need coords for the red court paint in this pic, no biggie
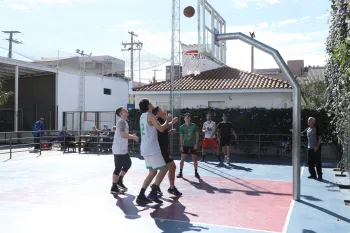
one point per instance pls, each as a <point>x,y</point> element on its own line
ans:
<point>253,204</point>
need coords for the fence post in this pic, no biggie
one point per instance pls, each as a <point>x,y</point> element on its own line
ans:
<point>98,145</point>
<point>259,148</point>
<point>64,143</point>
<point>10,146</point>
<point>40,142</point>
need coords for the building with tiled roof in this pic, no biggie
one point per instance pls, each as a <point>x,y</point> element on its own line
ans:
<point>224,87</point>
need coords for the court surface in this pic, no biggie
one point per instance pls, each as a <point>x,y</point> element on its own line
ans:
<point>70,193</point>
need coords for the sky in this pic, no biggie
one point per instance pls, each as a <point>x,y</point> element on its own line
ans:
<point>296,28</point>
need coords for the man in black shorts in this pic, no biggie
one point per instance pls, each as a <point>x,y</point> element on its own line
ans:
<point>189,138</point>
<point>225,131</point>
<point>122,161</point>
<point>163,140</point>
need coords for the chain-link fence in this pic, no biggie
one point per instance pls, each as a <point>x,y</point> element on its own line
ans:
<point>249,146</point>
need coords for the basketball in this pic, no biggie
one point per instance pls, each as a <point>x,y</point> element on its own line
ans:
<point>189,11</point>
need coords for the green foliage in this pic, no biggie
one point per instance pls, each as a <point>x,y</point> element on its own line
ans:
<point>338,68</point>
<point>252,120</point>
<point>315,94</point>
<point>4,96</point>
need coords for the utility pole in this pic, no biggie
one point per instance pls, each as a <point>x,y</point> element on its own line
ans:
<point>132,49</point>
<point>252,35</point>
<point>11,40</point>
<point>155,75</point>
<point>81,93</point>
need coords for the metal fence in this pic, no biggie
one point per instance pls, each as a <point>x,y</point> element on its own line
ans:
<point>258,146</point>
<point>84,121</point>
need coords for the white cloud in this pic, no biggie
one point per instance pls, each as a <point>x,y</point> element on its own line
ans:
<point>259,3</point>
<point>290,21</point>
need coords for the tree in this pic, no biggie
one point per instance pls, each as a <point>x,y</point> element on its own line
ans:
<point>4,95</point>
<point>338,70</point>
<point>315,94</point>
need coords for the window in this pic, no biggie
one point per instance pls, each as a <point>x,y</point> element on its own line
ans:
<point>107,91</point>
<point>216,104</point>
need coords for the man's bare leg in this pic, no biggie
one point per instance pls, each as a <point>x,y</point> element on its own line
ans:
<point>161,174</point>
<point>195,165</point>
<point>182,162</point>
<point>171,174</point>
<point>142,199</point>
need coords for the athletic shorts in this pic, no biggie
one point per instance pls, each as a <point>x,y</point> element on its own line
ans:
<point>225,141</point>
<point>167,157</point>
<point>122,160</point>
<point>155,162</point>
<point>187,149</point>
<point>209,142</point>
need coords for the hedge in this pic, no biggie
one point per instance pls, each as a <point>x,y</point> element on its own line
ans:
<point>252,120</point>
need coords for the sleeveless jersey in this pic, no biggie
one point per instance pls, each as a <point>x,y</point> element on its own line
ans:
<point>209,127</point>
<point>149,137</point>
<point>120,145</point>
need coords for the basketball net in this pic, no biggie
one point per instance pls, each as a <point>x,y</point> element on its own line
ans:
<point>191,59</point>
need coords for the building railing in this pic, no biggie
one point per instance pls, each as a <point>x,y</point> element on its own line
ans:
<point>251,145</point>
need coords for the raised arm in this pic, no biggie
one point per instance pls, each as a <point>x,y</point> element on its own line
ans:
<point>153,120</point>
<point>121,127</point>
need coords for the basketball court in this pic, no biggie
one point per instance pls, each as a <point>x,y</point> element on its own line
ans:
<point>70,193</point>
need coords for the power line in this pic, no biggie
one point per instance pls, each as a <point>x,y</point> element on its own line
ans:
<point>132,49</point>
<point>11,40</point>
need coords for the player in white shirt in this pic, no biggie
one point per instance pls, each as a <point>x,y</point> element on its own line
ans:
<point>122,161</point>
<point>151,152</point>
<point>209,130</point>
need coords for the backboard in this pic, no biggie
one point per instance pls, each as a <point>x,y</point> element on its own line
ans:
<point>209,24</point>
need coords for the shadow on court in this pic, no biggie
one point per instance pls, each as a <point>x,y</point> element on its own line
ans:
<point>170,219</point>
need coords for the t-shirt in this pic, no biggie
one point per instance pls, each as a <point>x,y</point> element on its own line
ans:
<point>225,129</point>
<point>209,127</point>
<point>312,136</point>
<point>189,134</point>
<point>149,137</point>
<point>163,137</point>
<point>120,145</point>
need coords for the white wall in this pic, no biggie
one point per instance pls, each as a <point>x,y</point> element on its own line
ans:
<point>237,100</point>
<point>95,99</point>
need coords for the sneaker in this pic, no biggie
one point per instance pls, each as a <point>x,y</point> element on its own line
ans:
<point>116,190</point>
<point>219,158</point>
<point>142,199</point>
<point>311,177</point>
<point>154,197</point>
<point>159,192</point>
<point>122,186</point>
<point>197,175</point>
<point>179,175</point>
<point>174,191</point>
<point>320,178</point>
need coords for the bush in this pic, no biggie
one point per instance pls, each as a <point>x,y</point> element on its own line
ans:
<point>253,120</point>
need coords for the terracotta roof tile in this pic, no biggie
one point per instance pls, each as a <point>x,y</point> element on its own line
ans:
<point>223,78</point>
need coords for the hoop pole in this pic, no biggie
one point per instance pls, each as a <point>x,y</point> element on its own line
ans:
<point>296,100</point>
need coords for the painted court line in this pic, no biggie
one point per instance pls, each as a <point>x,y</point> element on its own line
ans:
<point>207,224</point>
<point>291,207</point>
